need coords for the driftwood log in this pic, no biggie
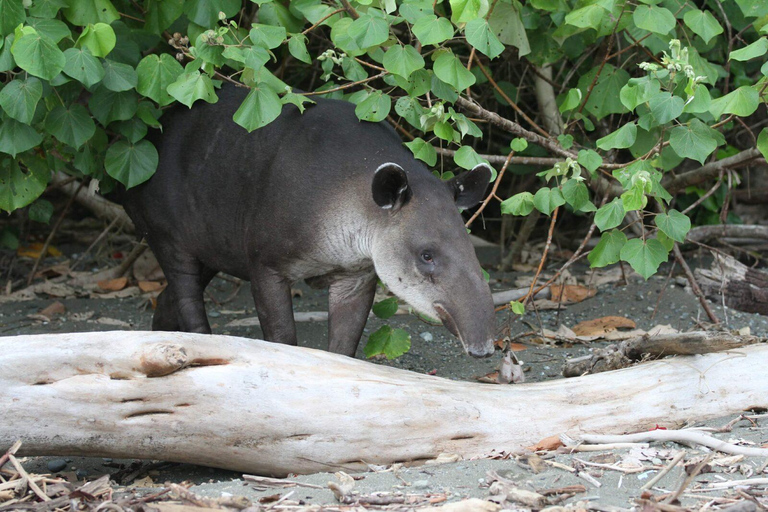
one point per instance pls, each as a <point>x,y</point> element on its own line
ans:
<point>628,352</point>
<point>271,409</point>
<point>736,284</point>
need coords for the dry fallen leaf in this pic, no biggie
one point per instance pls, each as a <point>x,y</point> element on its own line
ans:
<point>603,325</point>
<point>33,250</point>
<point>113,285</point>
<point>547,444</point>
<point>571,293</point>
<point>57,308</point>
<point>149,286</point>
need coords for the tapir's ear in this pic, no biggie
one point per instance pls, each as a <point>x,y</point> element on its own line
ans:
<point>469,188</point>
<point>390,187</point>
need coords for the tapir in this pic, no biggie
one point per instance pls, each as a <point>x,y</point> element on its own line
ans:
<point>318,196</point>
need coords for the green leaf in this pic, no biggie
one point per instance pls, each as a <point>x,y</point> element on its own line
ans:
<point>403,60</point>
<point>387,341</point>
<point>432,30</point>
<point>423,151</point>
<point>41,211</point>
<point>482,38</point>
<point>72,125</point>
<point>608,250</point>
<point>38,55</point>
<point>634,198</point>
<point>590,16</point>
<point>190,87</point>
<point>298,100</point>
<point>703,24</point>
<point>84,12</point>
<point>297,45</point>
<point>674,224</point>
<point>517,145</point>
<point>267,36</point>
<point>517,307</point>
<point>571,100</point>
<point>99,38</point>
<point>665,107</point>
<point>463,11</point>
<point>576,194</point>
<point>565,140</point>
<point>414,11</point>
<point>547,199</point>
<point>466,158</point>
<point>519,204</point>
<point>131,164</point>
<point>445,131</point>
<point>654,19</point>
<point>260,107</point>
<point>119,77</point>
<point>624,137</point>
<point>46,8</point>
<point>610,215</point>
<point>591,160</point>
<point>507,24</point>
<point>741,102</point>
<point>206,13</point>
<point>450,70</point>
<point>19,98</point>
<point>155,74</point>
<point>353,70</point>
<point>134,129</point>
<point>762,142</point>
<point>55,29</point>
<point>385,308</point>
<point>19,188</point>
<point>368,31</point>
<point>693,140</point>
<point>753,8</point>
<point>16,137</point>
<point>107,106</point>
<point>11,16</point>
<point>374,107</point>
<point>757,49</point>
<point>161,14</point>
<point>83,67</point>
<point>644,256</point>
<point>148,113</point>
<point>606,93</point>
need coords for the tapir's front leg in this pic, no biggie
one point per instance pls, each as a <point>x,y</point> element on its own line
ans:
<point>349,301</point>
<point>272,295</point>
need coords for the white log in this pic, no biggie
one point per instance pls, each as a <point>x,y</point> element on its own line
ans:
<point>271,409</point>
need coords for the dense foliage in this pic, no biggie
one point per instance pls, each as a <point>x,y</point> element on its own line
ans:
<point>639,91</point>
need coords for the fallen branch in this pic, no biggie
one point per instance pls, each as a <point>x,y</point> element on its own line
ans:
<point>737,285</point>
<point>706,234</point>
<point>614,357</point>
<point>272,409</point>
<point>708,171</point>
<point>101,207</point>
<point>688,437</point>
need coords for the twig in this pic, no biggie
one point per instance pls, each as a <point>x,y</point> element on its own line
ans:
<point>708,171</point>
<point>337,11</point>
<point>95,242</point>
<point>677,458</point>
<point>672,497</point>
<point>694,285</point>
<point>55,228</point>
<point>543,256</point>
<point>11,451</point>
<point>501,159</point>
<point>345,86</point>
<point>611,467</point>
<point>279,482</point>
<point>678,436</point>
<point>32,485</point>
<point>739,483</point>
<point>493,191</point>
<point>350,10</point>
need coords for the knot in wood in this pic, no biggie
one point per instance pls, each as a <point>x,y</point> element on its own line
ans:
<point>163,359</point>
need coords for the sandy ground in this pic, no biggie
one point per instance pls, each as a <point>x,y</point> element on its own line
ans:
<point>434,350</point>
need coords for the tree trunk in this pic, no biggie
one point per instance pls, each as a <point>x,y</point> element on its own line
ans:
<point>736,284</point>
<point>264,408</point>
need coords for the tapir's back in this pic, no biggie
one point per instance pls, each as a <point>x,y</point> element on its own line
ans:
<point>219,187</point>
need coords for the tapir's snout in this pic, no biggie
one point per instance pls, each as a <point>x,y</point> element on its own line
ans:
<point>475,333</point>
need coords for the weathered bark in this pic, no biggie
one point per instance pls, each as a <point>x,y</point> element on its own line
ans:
<point>741,287</point>
<point>101,207</point>
<point>706,234</point>
<point>635,349</point>
<point>272,409</point>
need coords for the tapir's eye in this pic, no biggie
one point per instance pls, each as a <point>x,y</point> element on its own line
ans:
<point>426,257</point>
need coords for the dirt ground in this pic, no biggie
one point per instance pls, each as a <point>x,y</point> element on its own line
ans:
<point>611,480</point>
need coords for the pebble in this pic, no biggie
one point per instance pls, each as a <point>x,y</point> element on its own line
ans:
<point>56,465</point>
<point>426,336</point>
<point>81,473</point>
<point>214,314</point>
<point>420,484</point>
